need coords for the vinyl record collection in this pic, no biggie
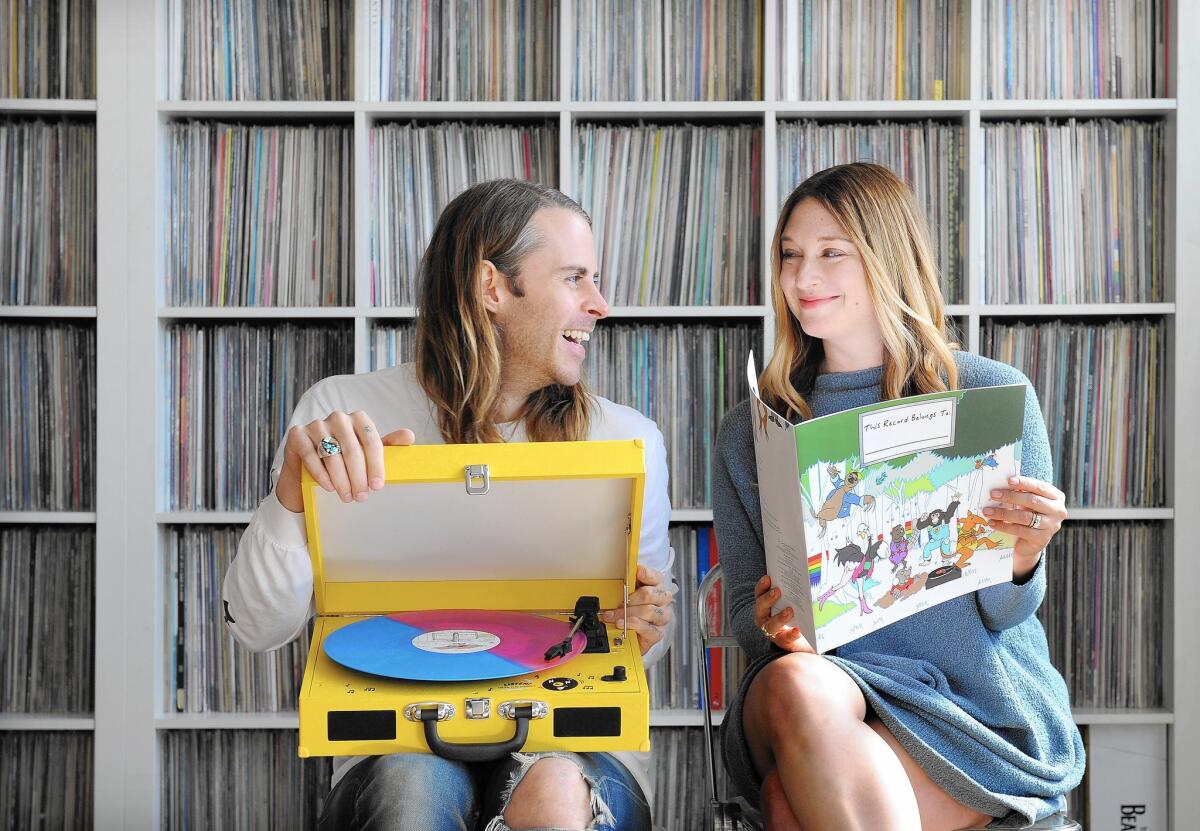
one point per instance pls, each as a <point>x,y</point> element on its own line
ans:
<point>49,49</point>
<point>681,782</point>
<point>1101,387</point>
<point>447,50</point>
<point>240,780</point>
<point>681,376</point>
<point>206,669</point>
<point>47,582</point>
<point>47,417</point>
<point>675,680</point>
<point>676,211</point>
<point>393,344</point>
<point>259,215</point>
<point>930,156</point>
<point>831,50</point>
<point>254,50</point>
<point>1104,610</point>
<point>708,50</point>
<point>46,780</point>
<point>416,169</point>
<point>1074,211</point>
<point>1112,49</point>
<point>262,214</point>
<point>47,211</point>
<point>231,388</point>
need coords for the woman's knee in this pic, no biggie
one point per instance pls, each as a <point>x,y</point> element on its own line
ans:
<point>803,689</point>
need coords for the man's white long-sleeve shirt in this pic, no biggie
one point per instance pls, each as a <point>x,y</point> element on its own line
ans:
<point>268,591</point>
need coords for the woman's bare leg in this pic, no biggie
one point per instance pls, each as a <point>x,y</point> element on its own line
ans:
<point>938,809</point>
<point>776,810</point>
<point>805,716</point>
<point>806,719</point>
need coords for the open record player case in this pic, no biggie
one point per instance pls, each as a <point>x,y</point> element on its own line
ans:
<point>533,527</point>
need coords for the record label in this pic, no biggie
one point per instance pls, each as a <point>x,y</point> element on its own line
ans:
<point>451,644</point>
<point>456,641</point>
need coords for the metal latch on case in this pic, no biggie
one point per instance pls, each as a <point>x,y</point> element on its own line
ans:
<point>479,481</point>
<point>478,708</point>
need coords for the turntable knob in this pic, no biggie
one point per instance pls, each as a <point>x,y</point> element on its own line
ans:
<point>618,674</point>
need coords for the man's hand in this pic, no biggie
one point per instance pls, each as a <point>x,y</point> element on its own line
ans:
<point>353,472</point>
<point>649,608</point>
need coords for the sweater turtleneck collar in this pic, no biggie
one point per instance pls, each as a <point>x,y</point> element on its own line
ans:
<point>859,379</point>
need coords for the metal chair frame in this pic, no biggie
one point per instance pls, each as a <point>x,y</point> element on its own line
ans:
<point>724,816</point>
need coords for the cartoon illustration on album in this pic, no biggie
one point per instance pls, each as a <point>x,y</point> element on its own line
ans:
<point>873,514</point>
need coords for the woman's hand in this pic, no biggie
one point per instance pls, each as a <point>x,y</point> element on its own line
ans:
<point>649,608</point>
<point>353,472</point>
<point>1033,512</point>
<point>776,628</point>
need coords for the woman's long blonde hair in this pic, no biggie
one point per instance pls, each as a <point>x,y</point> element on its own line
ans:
<point>879,215</point>
<point>458,344</point>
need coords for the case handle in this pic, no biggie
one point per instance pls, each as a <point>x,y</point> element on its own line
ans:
<point>486,752</point>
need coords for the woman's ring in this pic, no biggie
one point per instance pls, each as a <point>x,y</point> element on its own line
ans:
<point>770,637</point>
<point>328,446</point>
<point>1036,522</point>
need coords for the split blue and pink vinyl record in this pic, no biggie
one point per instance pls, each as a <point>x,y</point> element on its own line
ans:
<point>451,644</point>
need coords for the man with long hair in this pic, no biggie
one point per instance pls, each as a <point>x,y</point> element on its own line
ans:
<point>508,300</point>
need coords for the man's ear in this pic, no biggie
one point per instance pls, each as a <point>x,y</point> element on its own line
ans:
<point>491,285</point>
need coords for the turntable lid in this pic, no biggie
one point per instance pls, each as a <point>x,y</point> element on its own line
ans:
<point>551,526</point>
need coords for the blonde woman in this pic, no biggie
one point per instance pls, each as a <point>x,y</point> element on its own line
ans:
<point>948,718</point>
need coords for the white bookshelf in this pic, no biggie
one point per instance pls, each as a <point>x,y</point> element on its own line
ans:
<point>50,312</point>
<point>47,517</point>
<point>47,106</point>
<point>131,113</point>
<point>17,721</point>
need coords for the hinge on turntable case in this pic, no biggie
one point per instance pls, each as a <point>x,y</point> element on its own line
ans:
<point>628,524</point>
<point>444,710</point>
<point>479,481</point>
<point>508,709</point>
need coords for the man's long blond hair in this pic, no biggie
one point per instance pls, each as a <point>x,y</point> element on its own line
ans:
<point>458,344</point>
<point>879,215</point>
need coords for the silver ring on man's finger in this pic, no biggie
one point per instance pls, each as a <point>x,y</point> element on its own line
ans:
<point>328,446</point>
<point>1036,521</point>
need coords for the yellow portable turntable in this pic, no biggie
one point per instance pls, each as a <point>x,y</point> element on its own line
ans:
<point>547,528</point>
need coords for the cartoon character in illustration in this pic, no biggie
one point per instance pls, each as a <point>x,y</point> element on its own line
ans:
<point>982,466</point>
<point>973,533</point>
<point>904,584</point>
<point>863,568</point>
<point>939,524</point>
<point>898,547</point>
<point>842,498</point>
<point>990,461</point>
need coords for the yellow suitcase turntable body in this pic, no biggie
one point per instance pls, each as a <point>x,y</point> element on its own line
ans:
<point>546,528</point>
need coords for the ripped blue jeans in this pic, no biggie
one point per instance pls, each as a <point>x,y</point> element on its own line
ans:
<point>424,792</point>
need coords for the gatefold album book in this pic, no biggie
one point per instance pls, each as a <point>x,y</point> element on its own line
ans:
<point>873,514</point>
